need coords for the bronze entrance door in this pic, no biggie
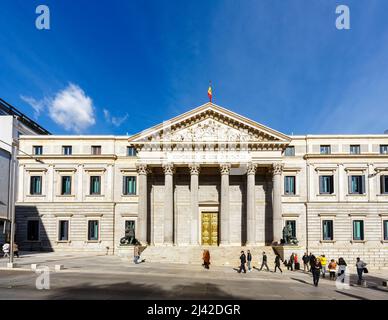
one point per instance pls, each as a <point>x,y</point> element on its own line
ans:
<point>209,230</point>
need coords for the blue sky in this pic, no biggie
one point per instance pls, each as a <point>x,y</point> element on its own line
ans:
<point>117,67</point>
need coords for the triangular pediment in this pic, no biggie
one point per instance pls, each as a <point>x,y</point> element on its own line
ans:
<point>210,123</point>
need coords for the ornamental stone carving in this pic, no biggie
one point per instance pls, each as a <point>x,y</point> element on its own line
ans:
<point>251,169</point>
<point>168,168</point>
<point>277,168</point>
<point>142,168</point>
<point>194,168</point>
<point>225,168</point>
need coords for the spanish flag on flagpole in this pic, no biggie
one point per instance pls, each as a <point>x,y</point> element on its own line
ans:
<point>209,92</point>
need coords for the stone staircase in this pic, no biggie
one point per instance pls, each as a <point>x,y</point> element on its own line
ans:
<point>219,256</point>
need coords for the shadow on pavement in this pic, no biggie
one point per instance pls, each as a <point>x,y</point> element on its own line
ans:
<point>135,291</point>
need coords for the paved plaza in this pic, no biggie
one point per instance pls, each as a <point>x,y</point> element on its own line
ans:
<point>112,277</point>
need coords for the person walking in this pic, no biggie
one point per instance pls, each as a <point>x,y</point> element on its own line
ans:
<point>264,262</point>
<point>316,270</point>
<point>6,250</point>
<point>206,259</point>
<point>305,260</point>
<point>323,261</point>
<point>332,269</point>
<point>360,270</point>
<point>243,260</point>
<point>136,254</point>
<point>16,249</point>
<point>249,260</point>
<point>341,268</point>
<point>312,261</point>
<point>277,263</point>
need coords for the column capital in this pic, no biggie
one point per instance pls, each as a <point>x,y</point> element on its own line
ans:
<point>142,168</point>
<point>251,168</point>
<point>225,168</point>
<point>194,168</point>
<point>277,168</point>
<point>168,168</point>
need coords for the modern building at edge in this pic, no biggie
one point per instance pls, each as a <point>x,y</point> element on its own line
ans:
<point>13,124</point>
<point>208,177</point>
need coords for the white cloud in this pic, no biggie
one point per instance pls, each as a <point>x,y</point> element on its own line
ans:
<point>71,108</point>
<point>37,105</point>
<point>116,121</point>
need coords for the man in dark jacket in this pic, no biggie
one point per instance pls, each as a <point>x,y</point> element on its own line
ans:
<point>243,260</point>
<point>305,260</point>
<point>264,263</point>
<point>313,259</point>
<point>292,261</point>
<point>277,263</point>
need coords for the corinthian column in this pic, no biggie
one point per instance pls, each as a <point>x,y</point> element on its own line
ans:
<point>224,215</point>
<point>194,177</point>
<point>142,207</point>
<point>168,204</point>
<point>251,221</point>
<point>277,202</point>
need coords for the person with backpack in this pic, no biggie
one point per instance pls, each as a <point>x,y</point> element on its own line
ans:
<point>360,265</point>
<point>332,269</point>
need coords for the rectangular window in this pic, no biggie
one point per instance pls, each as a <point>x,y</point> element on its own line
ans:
<point>63,230</point>
<point>290,151</point>
<point>327,230</point>
<point>385,227</point>
<point>38,150</point>
<point>355,149</point>
<point>292,223</point>
<point>289,185</point>
<point>33,230</point>
<point>66,185</point>
<point>129,185</point>
<point>356,184</point>
<point>384,148</point>
<point>130,224</point>
<point>384,184</point>
<point>93,230</point>
<point>36,185</point>
<point>358,230</point>
<point>95,185</point>
<point>96,150</point>
<point>325,149</point>
<point>326,184</point>
<point>131,152</point>
<point>67,150</point>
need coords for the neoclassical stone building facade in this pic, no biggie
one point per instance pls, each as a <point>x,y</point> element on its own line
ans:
<point>208,177</point>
